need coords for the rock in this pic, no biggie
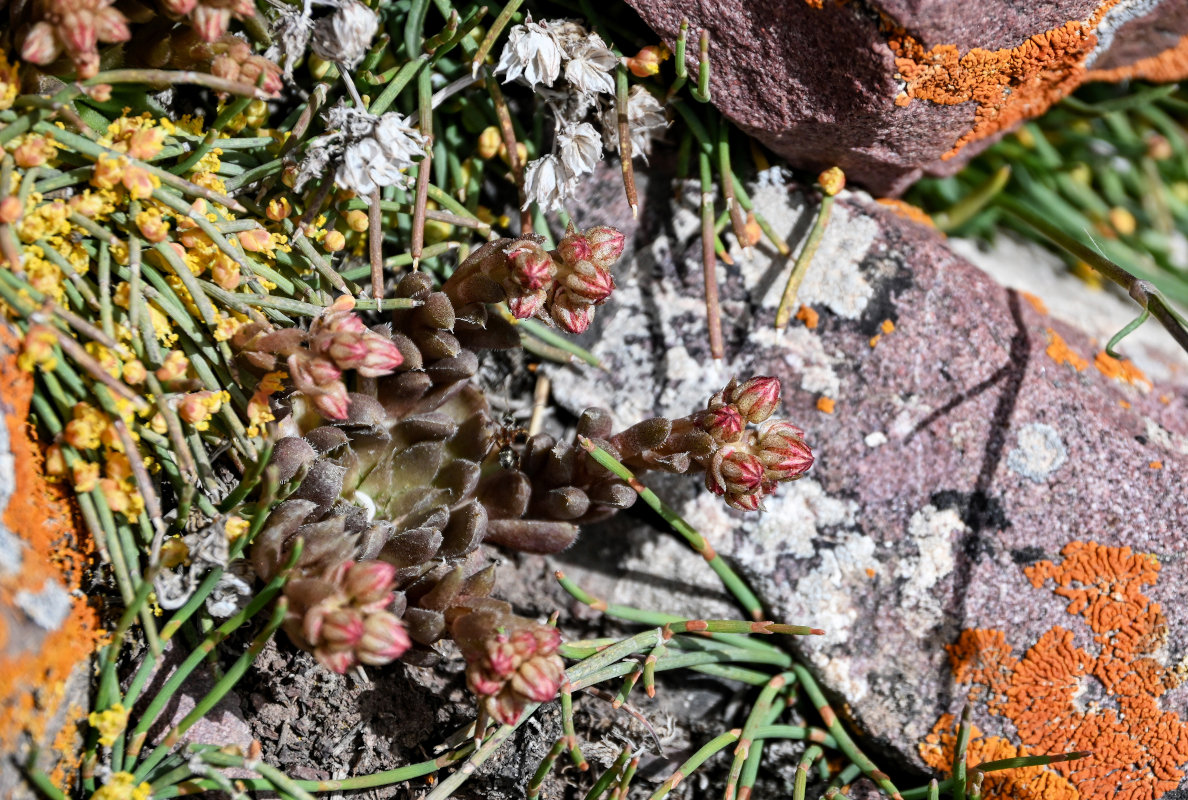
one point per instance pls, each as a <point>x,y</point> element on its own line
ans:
<point>892,89</point>
<point>989,489</point>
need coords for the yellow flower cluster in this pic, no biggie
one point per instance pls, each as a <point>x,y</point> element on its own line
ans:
<point>10,82</point>
<point>123,786</point>
<point>109,723</point>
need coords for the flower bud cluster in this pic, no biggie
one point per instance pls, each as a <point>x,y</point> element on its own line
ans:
<point>511,661</point>
<point>74,27</point>
<point>746,465</point>
<point>337,341</point>
<point>343,617</point>
<point>566,284</point>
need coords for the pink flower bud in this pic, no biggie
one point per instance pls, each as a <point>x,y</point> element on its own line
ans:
<point>481,681</point>
<point>539,678</point>
<point>740,472</point>
<point>574,247</point>
<point>179,7</point>
<point>368,582</point>
<point>210,23</point>
<point>747,501</point>
<point>41,46</point>
<point>335,660</point>
<point>501,659</point>
<point>506,707</point>
<point>532,268</point>
<point>78,33</point>
<point>606,245</point>
<point>525,306</point>
<point>111,26</point>
<point>590,283</point>
<point>380,356</point>
<point>384,639</point>
<point>309,373</point>
<point>341,628</point>
<point>757,398</point>
<point>332,402</point>
<point>573,316</point>
<point>724,423</point>
<point>783,451</point>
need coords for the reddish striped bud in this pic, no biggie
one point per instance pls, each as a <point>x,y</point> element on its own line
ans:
<point>384,639</point>
<point>606,245</point>
<point>590,283</point>
<point>532,268</point>
<point>724,423</point>
<point>525,306</point>
<point>757,398</point>
<point>539,678</point>
<point>370,582</point>
<point>341,628</point>
<point>739,471</point>
<point>570,314</point>
<point>574,247</point>
<point>783,451</point>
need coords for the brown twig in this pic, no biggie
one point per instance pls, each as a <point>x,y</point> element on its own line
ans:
<point>375,245</point>
<point>625,154</point>
<point>513,157</point>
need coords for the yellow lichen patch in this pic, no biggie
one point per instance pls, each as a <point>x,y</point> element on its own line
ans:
<point>1008,85</point>
<point>1121,370</point>
<point>34,667</point>
<point>1140,750</point>
<point>1061,353</point>
<point>1170,65</point>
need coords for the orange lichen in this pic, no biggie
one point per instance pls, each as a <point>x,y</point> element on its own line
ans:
<point>1123,404</point>
<point>1036,302</point>
<point>887,326</point>
<point>1008,85</point>
<point>1170,65</point>
<point>904,208</point>
<point>1061,353</point>
<point>1140,750</point>
<point>874,340</point>
<point>825,404</point>
<point>33,667</point>
<point>808,316</point>
<point>1120,370</point>
<point>1156,465</point>
<point>870,572</point>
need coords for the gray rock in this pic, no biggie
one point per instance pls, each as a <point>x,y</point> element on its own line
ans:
<point>964,446</point>
<point>819,83</point>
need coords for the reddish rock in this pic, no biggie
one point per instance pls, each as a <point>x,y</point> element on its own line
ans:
<point>989,490</point>
<point>894,89</point>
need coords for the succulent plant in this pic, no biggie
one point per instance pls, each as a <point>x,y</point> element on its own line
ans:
<point>410,474</point>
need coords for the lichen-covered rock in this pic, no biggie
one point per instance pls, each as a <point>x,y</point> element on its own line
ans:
<point>991,489</point>
<point>891,89</point>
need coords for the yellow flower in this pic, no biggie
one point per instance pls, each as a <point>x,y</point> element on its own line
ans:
<point>108,360</point>
<point>123,786</point>
<point>175,366</point>
<point>84,430</point>
<point>84,475</point>
<point>122,497</point>
<point>55,462</point>
<point>108,172</point>
<point>197,408</point>
<point>134,372</point>
<point>273,382</point>
<point>117,467</point>
<point>152,225</point>
<point>235,527</point>
<point>38,350</point>
<point>109,724</point>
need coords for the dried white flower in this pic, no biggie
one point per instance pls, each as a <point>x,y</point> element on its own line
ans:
<point>399,141</point>
<point>349,121</point>
<point>532,50</point>
<point>590,65</point>
<point>365,167</point>
<point>345,35</point>
<point>580,148</point>
<point>548,183</point>
<point>645,120</point>
<point>230,594</point>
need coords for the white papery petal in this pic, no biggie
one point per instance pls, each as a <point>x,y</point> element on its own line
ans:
<point>580,148</point>
<point>532,50</point>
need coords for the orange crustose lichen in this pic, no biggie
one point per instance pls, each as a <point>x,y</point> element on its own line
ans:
<point>1170,65</point>
<point>1121,369</point>
<point>907,210</point>
<point>33,669</point>
<point>1059,351</point>
<point>808,316</point>
<point>1011,84</point>
<point>1140,750</point>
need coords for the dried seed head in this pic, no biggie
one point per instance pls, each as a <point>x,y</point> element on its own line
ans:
<point>345,35</point>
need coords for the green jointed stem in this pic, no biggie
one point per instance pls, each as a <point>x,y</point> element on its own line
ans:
<point>571,740</point>
<point>755,719</point>
<point>546,766</point>
<point>839,733</point>
<point>608,777</point>
<point>729,577</point>
<point>450,784</point>
<point>218,692</point>
<point>973,203</point>
<point>803,260</point>
<point>959,765</point>
<point>810,755</point>
<point>696,760</point>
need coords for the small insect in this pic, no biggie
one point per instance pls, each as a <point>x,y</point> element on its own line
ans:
<point>508,435</point>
